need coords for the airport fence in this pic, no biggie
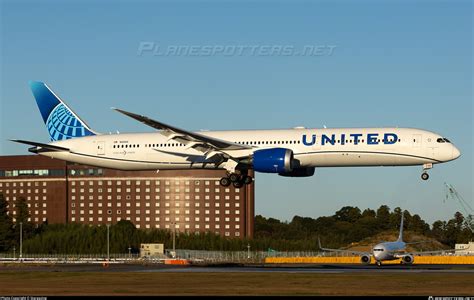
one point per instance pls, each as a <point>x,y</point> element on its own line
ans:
<point>68,258</point>
<point>243,256</point>
<point>195,256</point>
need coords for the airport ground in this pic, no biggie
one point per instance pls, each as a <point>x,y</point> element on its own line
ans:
<point>70,279</point>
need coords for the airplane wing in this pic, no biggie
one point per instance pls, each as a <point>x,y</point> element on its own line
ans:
<point>195,140</point>
<point>432,252</point>
<point>402,254</point>
<point>342,250</point>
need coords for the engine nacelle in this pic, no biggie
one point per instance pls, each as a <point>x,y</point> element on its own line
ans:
<point>408,259</point>
<point>300,172</point>
<point>365,259</point>
<point>274,160</point>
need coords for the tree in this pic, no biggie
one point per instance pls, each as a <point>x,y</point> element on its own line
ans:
<point>6,226</point>
<point>348,214</point>
<point>383,217</point>
<point>23,216</point>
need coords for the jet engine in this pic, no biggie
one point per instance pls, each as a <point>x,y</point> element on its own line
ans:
<point>365,259</point>
<point>299,172</point>
<point>408,259</point>
<point>274,160</point>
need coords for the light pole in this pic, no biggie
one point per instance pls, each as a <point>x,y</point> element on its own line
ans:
<point>174,239</point>
<point>248,250</point>
<point>130,252</point>
<point>14,252</point>
<point>108,240</point>
<point>21,240</point>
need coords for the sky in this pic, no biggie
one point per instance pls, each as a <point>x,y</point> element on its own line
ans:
<point>218,65</point>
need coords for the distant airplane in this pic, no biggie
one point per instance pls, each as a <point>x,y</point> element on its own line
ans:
<point>387,251</point>
<point>288,152</point>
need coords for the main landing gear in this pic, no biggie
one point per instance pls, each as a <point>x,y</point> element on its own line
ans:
<point>237,180</point>
<point>425,175</point>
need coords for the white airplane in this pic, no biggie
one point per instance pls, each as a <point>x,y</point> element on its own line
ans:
<point>387,251</point>
<point>288,152</point>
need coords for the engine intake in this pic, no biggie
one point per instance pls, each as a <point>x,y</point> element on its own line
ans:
<point>365,259</point>
<point>408,259</point>
<point>274,160</point>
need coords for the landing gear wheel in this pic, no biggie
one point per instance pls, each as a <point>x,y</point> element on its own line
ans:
<point>225,181</point>
<point>238,184</point>
<point>425,176</point>
<point>247,179</point>
<point>234,177</point>
<point>379,263</point>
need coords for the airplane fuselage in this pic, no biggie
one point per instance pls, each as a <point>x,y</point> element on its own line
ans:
<point>328,147</point>
<point>388,250</point>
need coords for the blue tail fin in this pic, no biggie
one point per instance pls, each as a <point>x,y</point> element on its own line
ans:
<point>400,235</point>
<point>62,123</point>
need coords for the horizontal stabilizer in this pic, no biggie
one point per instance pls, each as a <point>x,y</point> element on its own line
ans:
<point>39,147</point>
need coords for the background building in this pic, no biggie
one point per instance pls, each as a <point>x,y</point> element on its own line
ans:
<point>190,200</point>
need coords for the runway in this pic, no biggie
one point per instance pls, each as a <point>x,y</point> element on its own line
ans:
<point>155,279</point>
<point>158,268</point>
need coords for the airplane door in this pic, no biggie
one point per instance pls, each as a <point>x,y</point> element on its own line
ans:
<point>100,148</point>
<point>417,140</point>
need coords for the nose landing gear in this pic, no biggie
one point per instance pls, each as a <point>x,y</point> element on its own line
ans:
<point>425,175</point>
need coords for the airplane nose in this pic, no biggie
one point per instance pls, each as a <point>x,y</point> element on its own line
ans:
<point>456,152</point>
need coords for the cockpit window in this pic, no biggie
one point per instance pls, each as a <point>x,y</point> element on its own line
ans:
<point>440,140</point>
<point>446,140</point>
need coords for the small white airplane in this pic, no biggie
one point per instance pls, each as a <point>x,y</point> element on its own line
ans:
<point>387,251</point>
<point>288,152</point>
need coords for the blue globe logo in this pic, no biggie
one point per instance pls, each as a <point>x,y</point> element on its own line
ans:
<point>63,125</point>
